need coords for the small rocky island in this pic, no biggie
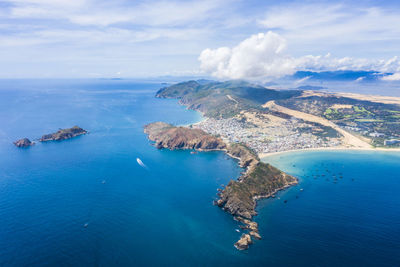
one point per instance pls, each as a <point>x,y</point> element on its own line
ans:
<point>63,134</point>
<point>260,180</point>
<point>24,142</point>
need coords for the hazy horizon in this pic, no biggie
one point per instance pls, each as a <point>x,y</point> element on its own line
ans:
<point>255,40</point>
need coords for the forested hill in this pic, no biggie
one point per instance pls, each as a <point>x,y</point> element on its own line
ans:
<point>223,99</point>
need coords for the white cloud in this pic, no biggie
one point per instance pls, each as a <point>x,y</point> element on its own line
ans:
<point>168,34</point>
<point>393,77</point>
<point>262,56</point>
<point>299,17</point>
<point>355,29</point>
<point>104,13</point>
<point>336,22</point>
<point>329,63</point>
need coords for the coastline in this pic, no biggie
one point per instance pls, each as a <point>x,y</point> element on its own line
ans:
<point>201,119</point>
<point>239,197</point>
<point>339,148</point>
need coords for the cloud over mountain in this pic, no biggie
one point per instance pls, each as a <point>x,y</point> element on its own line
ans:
<point>258,56</point>
<point>262,56</point>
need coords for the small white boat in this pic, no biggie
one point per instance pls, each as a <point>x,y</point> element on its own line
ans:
<point>140,162</point>
<point>237,230</point>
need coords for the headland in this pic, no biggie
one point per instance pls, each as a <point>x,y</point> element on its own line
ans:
<point>260,180</point>
<point>250,122</point>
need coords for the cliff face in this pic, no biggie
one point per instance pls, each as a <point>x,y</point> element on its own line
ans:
<point>168,136</point>
<point>63,134</point>
<point>238,197</point>
<point>24,142</point>
<point>247,158</point>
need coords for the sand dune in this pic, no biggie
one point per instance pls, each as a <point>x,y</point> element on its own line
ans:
<point>349,140</point>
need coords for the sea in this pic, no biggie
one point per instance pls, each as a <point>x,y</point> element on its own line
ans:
<point>88,202</point>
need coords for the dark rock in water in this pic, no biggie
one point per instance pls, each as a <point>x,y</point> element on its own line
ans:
<point>244,242</point>
<point>63,134</point>
<point>255,235</point>
<point>24,142</point>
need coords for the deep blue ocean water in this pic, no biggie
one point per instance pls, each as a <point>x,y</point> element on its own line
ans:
<point>163,214</point>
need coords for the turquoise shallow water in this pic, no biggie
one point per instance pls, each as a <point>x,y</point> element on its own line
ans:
<point>163,214</point>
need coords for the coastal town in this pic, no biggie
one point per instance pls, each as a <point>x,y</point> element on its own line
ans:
<point>266,133</point>
<point>269,121</point>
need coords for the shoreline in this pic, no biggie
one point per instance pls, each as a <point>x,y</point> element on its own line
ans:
<point>343,148</point>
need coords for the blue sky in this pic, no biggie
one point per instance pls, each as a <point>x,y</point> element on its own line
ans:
<point>226,39</point>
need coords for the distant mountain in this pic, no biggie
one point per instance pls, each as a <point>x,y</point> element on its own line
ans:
<point>345,75</point>
<point>310,87</point>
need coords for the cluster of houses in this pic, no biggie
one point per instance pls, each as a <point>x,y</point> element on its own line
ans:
<point>268,138</point>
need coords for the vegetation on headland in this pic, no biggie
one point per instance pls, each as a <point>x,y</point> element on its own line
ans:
<point>377,122</point>
<point>249,105</point>
<point>222,99</point>
<point>168,136</point>
<point>238,197</point>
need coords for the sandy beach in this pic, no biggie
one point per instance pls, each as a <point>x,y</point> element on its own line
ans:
<point>339,148</point>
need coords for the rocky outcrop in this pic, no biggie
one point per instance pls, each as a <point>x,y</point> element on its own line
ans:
<point>24,142</point>
<point>168,136</point>
<point>63,134</point>
<point>247,158</point>
<point>239,197</point>
<point>255,235</point>
<point>260,180</point>
<point>244,242</point>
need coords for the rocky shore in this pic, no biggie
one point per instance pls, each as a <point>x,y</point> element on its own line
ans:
<point>24,142</point>
<point>168,136</point>
<point>260,180</point>
<point>63,134</point>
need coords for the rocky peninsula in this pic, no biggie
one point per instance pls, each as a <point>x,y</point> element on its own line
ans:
<point>260,180</point>
<point>168,136</point>
<point>24,142</point>
<point>63,134</point>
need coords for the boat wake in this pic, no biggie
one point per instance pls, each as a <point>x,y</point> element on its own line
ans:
<point>140,162</point>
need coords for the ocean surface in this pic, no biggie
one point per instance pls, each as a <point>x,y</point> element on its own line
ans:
<point>162,214</point>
